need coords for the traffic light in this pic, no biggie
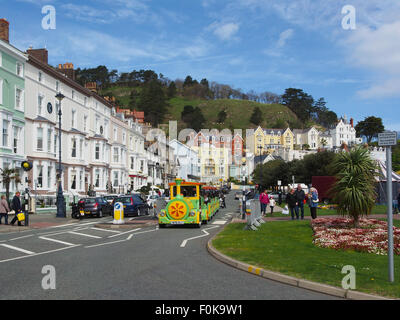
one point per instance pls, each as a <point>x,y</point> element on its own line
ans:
<point>26,166</point>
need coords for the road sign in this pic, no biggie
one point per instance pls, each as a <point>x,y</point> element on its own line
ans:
<point>387,139</point>
<point>279,182</point>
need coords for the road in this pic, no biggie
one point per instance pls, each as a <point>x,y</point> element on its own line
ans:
<point>145,263</point>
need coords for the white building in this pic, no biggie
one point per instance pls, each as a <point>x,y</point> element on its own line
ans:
<point>310,137</point>
<point>344,132</point>
<point>187,161</point>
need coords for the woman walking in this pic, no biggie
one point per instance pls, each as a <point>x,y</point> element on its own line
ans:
<point>313,202</point>
<point>264,201</point>
<point>4,209</point>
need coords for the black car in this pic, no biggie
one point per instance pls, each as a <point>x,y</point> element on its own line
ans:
<point>94,207</point>
<point>134,205</point>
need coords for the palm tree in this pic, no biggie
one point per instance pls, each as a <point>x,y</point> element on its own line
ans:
<point>354,191</point>
<point>8,175</point>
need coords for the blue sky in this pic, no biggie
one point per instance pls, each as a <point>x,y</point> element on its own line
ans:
<point>264,45</point>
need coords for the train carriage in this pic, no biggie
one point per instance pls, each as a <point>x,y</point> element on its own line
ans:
<point>186,205</point>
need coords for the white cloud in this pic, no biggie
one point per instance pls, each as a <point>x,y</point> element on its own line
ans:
<point>276,50</point>
<point>225,31</point>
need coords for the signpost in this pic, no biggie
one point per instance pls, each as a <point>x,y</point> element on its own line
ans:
<point>388,139</point>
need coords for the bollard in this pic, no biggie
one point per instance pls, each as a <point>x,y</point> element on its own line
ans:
<point>118,213</point>
<point>257,209</point>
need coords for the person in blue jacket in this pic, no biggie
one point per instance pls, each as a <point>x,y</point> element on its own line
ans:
<point>313,202</point>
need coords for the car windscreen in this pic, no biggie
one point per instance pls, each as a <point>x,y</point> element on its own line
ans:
<point>125,200</point>
<point>89,201</point>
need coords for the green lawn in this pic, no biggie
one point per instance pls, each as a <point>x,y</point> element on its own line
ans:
<point>286,247</point>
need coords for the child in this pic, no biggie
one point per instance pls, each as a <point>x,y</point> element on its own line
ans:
<point>272,204</point>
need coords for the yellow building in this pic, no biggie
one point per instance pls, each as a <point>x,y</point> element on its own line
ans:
<point>213,162</point>
<point>264,141</point>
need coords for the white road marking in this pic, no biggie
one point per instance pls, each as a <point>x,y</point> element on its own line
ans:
<point>106,230</point>
<point>58,241</point>
<point>21,238</point>
<point>84,235</point>
<point>106,243</point>
<point>219,222</point>
<point>122,233</point>
<point>38,254</point>
<point>64,225</point>
<point>183,244</point>
<point>130,237</point>
<point>17,249</point>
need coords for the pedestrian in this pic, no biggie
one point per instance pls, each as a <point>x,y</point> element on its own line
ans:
<point>4,209</point>
<point>264,201</point>
<point>272,204</point>
<point>291,201</point>
<point>16,206</point>
<point>398,202</point>
<point>313,202</point>
<point>300,197</point>
<point>280,197</point>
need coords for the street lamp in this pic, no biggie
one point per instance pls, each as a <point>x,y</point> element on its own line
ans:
<point>244,190</point>
<point>60,197</point>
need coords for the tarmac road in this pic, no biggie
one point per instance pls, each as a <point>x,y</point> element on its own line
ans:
<point>144,263</point>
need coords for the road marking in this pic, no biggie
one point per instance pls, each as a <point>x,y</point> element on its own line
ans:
<point>183,244</point>
<point>17,249</point>
<point>39,254</point>
<point>130,237</point>
<point>21,237</point>
<point>106,230</point>
<point>58,241</point>
<point>219,222</point>
<point>63,225</point>
<point>84,235</point>
<point>106,243</point>
<point>122,233</point>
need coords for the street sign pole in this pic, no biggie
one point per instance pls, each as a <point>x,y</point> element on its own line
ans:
<point>390,212</point>
<point>388,139</point>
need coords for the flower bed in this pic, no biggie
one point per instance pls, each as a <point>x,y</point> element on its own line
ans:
<point>340,234</point>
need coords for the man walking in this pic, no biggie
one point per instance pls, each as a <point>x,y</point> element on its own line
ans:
<point>300,196</point>
<point>16,206</point>
<point>292,203</point>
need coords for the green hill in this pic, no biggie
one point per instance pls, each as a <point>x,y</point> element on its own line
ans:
<point>238,111</point>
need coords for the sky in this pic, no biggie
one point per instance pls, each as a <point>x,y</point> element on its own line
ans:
<point>349,56</point>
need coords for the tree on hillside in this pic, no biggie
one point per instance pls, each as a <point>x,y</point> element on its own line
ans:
<point>256,117</point>
<point>134,98</point>
<point>193,117</point>
<point>222,115</point>
<point>369,128</point>
<point>301,103</point>
<point>153,102</point>
<point>172,90</point>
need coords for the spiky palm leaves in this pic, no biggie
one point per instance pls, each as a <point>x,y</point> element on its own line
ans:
<point>354,191</point>
<point>8,175</point>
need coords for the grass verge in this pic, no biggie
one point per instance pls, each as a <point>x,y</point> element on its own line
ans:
<point>286,247</point>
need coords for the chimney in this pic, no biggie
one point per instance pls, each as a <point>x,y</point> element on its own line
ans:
<point>67,69</point>
<point>40,54</point>
<point>4,30</point>
<point>352,122</point>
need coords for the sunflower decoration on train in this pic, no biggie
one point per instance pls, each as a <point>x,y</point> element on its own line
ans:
<point>177,210</point>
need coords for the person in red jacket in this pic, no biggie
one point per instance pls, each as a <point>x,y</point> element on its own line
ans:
<point>264,201</point>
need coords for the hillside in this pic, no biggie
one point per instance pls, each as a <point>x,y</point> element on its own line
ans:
<point>238,111</point>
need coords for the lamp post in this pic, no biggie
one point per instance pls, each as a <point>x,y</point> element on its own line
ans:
<point>244,191</point>
<point>60,197</point>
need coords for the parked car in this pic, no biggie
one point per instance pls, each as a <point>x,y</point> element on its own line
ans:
<point>110,198</point>
<point>275,196</point>
<point>94,206</point>
<point>151,199</point>
<point>134,205</point>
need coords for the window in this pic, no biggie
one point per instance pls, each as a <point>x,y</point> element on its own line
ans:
<point>40,77</point>
<point>97,151</point>
<point>132,163</point>
<point>81,180</point>
<point>124,138</point>
<point>85,101</point>
<point>81,148</point>
<point>5,133</point>
<point>116,155</point>
<point>49,131</point>
<point>19,99</point>
<point>40,104</point>
<point>39,144</point>
<point>73,154</point>
<point>97,179</point>
<point>57,86</point>
<point>1,91</point>
<point>84,123</point>
<point>73,119</point>
<point>73,179</point>
<point>115,134</point>
<point>116,179</point>
<point>73,95</point>
<point>40,177</point>
<point>20,69</point>
<point>49,174</point>
<point>16,138</point>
